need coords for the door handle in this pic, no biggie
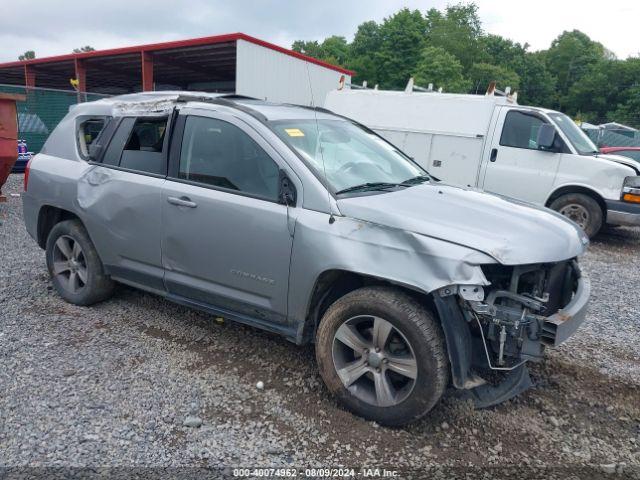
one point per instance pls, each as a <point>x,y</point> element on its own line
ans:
<point>182,202</point>
<point>494,155</point>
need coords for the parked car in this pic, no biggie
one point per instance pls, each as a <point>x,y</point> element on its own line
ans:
<point>630,152</point>
<point>490,142</point>
<point>309,225</point>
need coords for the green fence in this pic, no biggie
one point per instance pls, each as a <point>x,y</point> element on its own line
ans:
<point>43,108</point>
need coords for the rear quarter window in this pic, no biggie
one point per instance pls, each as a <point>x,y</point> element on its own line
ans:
<point>87,132</point>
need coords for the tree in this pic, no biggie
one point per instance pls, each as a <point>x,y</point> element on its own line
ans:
<point>449,49</point>
<point>439,67</point>
<point>457,30</point>
<point>501,51</point>
<point>402,38</point>
<point>28,55</point>
<point>606,83</point>
<point>482,74</point>
<point>537,85</point>
<point>311,48</point>
<point>86,48</point>
<point>570,57</point>
<point>366,43</point>
<point>334,50</point>
<point>628,112</point>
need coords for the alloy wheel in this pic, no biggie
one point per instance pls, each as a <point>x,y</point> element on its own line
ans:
<point>69,264</point>
<point>374,361</point>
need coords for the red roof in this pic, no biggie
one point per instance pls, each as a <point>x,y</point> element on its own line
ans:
<point>176,44</point>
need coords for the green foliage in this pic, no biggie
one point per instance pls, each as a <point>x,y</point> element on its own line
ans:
<point>457,30</point>
<point>366,42</point>
<point>28,55</point>
<point>450,49</point>
<point>482,74</point>
<point>537,84</point>
<point>86,48</point>
<point>570,57</point>
<point>402,37</point>
<point>629,111</point>
<point>442,69</point>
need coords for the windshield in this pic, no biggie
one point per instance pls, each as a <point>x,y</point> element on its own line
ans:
<point>579,140</point>
<point>352,156</point>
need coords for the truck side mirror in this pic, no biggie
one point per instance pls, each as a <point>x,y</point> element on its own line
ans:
<point>546,137</point>
<point>287,190</point>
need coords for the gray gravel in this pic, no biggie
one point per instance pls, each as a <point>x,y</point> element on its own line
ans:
<point>138,381</point>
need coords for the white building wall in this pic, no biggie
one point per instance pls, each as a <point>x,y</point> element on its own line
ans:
<point>271,75</point>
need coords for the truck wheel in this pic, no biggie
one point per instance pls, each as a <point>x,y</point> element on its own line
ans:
<point>581,209</point>
<point>382,354</point>
<point>75,268</point>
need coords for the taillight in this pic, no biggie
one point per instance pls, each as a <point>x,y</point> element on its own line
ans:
<point>26,173</point>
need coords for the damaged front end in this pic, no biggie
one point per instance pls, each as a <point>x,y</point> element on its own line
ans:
<point>493,331</point>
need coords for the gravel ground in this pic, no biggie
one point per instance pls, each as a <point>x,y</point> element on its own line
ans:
<point>138,381</point>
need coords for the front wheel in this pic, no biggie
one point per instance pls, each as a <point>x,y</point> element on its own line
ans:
<point>382,354</point>
<point>581,209</point>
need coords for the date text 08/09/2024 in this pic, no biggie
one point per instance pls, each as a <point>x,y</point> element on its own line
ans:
<point>316,472</point>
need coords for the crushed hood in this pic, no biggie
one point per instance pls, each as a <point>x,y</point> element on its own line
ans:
<point>510,231</point>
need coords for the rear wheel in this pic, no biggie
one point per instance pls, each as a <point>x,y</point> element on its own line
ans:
<point>382,354</point>
<point>581,209</point>
<point>75,268</point>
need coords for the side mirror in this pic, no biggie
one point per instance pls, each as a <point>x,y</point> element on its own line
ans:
<point>546,137</point>
<point>287,190</point>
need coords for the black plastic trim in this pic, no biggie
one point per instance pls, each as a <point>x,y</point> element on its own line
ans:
<point>625,207</point>
<point>458,338</point>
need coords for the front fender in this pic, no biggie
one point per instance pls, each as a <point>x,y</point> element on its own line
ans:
<point>404,258</point>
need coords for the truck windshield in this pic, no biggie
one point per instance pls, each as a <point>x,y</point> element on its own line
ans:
<point>579,140</point>
<point>353,157</point>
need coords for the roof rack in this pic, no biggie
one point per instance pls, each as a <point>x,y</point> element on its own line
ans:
<point>226,100</point>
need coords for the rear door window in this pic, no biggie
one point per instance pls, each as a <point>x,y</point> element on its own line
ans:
<point>139,144</point>
<point>144,148</point>
<point>114,149</point>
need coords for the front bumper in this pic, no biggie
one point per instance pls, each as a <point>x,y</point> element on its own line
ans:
<point>561,325</point>
<point>623,213</point>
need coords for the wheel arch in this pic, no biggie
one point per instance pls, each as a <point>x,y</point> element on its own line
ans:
<point>331,285</point>
<point>48,217</point>
<point>568,189</point>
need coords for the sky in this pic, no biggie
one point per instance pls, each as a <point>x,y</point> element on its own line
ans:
<point>51,27</point>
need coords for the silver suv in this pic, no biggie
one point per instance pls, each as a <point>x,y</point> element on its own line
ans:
<point>304,223</point>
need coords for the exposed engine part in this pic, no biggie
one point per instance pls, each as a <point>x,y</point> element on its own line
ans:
<point>471,293</point>
<point>511,320</point>
<point>503,338</point>
<point>486,351</point>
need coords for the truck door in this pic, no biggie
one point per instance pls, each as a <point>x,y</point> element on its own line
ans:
<point>516,167</point>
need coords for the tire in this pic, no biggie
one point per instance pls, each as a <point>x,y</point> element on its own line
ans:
<point>581,209</point>
<point>71,254</point>
<point>412,325</point>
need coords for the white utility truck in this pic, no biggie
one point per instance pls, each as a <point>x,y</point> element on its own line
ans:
<point>492,143</point>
